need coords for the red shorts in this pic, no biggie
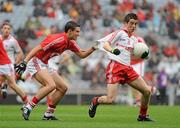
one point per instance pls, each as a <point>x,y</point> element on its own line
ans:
<point>119,73</point>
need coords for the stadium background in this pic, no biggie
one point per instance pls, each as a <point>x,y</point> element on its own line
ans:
<point>159,24</point>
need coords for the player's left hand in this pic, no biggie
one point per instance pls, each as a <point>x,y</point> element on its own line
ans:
<point>145,55</point>
<point>20,68</point>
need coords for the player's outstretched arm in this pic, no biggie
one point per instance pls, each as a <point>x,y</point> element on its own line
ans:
<point>32,53</point>
<point>85,53</point>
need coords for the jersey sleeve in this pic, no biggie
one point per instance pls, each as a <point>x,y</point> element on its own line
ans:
<point>111,38</point>
<point>73,46</point>
<point>16,46</point>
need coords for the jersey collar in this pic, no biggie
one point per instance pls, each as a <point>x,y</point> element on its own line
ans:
<point>124,29</point>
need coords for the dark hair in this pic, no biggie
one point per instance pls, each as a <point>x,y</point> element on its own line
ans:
<point>70,25</point>
<point>6,23</point>
<point>130,16</point>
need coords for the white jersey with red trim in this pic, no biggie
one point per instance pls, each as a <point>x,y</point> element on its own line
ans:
<point>121,40</point>
<point>12,47</point>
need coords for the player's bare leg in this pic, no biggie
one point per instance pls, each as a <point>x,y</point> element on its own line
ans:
<point>49,85</point>
<point>4,90</point>
<point>136,97</point>
<point>141,86</point>
<point>112,90</point>
<point>3,87</point>
<point>12,84</point>
<point>56,96</point>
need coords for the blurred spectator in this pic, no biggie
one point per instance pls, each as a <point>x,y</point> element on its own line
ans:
<point>1,6</point>
<point>162,82</point>
<point>50,12</point>
<point>170,50</point>
<point>86,72</point>
<point>98,77</point>
<point>58,13</point>
<point>39,11</point>
<point>171,28</point>
<point>54,29</point>
<point>113,2</point>
<point>8,6</point>
<point>107,21</point>
<point>156,21</point>
<point>48,4</point>
<point>126,6</point>
<point>163,22</point>
<point>65,7</point>
<point>42,31</point>
<point>33,22</point>
<point>18,2</point>
<point>24,45</point>
<point>141,16</point>
<point>37,2</point>
<point>73,13</point>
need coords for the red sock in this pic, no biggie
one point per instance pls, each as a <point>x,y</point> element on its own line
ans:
<point>51,108</point>
<point>143,110</point>
<point>48,100</point>
<point>34,101</point>
<point>25,99</point>
<point>95,100</point>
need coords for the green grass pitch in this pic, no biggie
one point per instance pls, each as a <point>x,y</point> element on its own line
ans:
<point>75,116</point>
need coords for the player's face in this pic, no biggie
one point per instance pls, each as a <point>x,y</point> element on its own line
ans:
<point>6,29</point>
<point>74,34</point>
<point>131,25</point>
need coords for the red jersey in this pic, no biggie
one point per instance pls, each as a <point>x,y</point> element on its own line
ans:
<point>3,55</point>
<point>56,44</point>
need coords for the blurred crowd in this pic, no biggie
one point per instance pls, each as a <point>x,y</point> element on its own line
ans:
<point>159,25</point>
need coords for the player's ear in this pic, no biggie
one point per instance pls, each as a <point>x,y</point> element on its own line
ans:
<point>70,30</point>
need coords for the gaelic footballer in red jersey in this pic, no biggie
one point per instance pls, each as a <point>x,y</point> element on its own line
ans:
<point>119,70</point>
<point>7,73</point>
<point>37,64</point>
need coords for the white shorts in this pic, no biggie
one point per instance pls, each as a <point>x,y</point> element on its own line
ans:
<point>7,69</point>
<point>35,65</point>
<point>139,68</point>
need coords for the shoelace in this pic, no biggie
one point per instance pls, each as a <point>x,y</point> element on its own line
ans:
<point>26,110</point>
<point>91,106</point>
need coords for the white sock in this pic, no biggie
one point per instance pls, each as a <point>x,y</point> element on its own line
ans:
<point>47,114</point>
<point>29,106</point>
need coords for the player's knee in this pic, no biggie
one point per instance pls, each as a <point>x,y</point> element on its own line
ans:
<point>12,86</point>
<point>62,89</point>
<point>147,92</point>
<point>52,86</point>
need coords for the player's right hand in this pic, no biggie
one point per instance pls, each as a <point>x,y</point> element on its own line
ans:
<point>20,68</point>
<point>95,45</point>
<point>116,51</point>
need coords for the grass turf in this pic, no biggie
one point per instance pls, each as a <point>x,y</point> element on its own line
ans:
<point>74,116</point>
